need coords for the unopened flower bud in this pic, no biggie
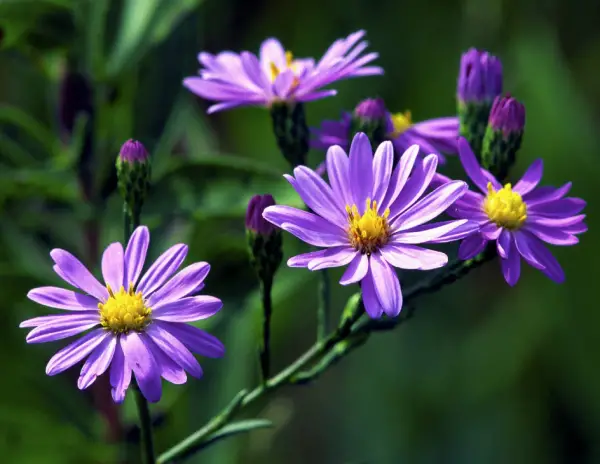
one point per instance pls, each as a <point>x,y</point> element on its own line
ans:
<point>370,117</point>
<point>291,131</point>
<point>264,239</point>
<point>479,82</point>
<point>503,135</point>
<point>133,173</point>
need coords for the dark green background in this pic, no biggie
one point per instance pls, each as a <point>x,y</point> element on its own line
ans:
<point>483,374</point>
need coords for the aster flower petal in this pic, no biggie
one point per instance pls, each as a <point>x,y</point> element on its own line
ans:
<point>361,170</point>
<point>120,375</point>
<point>162,269</point>
<point>169,369</point>
<point>271,51</point>
<point>338,172</point>
<point>490,231</point>
<point>62,328</point>
<point>135,255</point>
<point>471,246</point>
<point>523,242</point>
<point>303,259</point>
<point>560,222</point>
<point>387,285</point>
<point>97,363</point>
<point>558,208</point>
<point>511,266</point>
<point>196,340</point>
<point>430,206</point>
<point>471,166</point>
<point>457,233</point>
<point>429,232</point>
<point>283,84</point>
<point>356,270</point>
<point>308,227</point>
<point>549,264</point>
<point>174,349</point>
<point>55,319</point>
<point>188,309</point>
<point>112,266</point>
<point>401,174</point>
<point>415,186</point>
<point>382,170</point>
<point>76,351</point>
<point>546,194</point>
<point>413,257</point>
<point>318,95</point>
<point>551,235</point>
<point>531,178</point>
<point>333,257</point>
<point>370,300</point>
<point>578,228</point>
<point>55,297</point>
<point>503,244</point>
<point>77,274</point>
<point>142,363</point>
<point>254,71</point>
<point>212,90</point>
<point>182,284</point>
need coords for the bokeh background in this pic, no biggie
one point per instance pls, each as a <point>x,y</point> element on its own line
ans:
<point>483,374</point>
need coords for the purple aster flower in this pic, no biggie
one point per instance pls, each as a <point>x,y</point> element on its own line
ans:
<point>133,151</point>
<point>275,75</point>
<point>371,218</point>
<point>507,115</point>
<point>436,136</point>
<point>136,325</point>
<point>520,218</point>
<point>480,76</point>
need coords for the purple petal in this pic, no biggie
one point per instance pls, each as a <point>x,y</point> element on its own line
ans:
<point>135,255</point>
<point>401,174</point>
<point>303,259</point>
<point>558,208</point>
<point>112,266</point>
<point>387,285</point>
<point>254,71</point>
<point>333,257</point>
<point>173,348</point>
<point>429,232</point>
<point>338,172</point>
<point>415,185</point>
<point>357,270</point>
<point>413,257</point>
<point>63,276</point>
<point>490,231</point>
<point>511,266</point>
<point>55,297</point>
<point>162,269</point>
<point>120,375</point>
<point>145,368</point>
<point>271,51</point>
<point>308,227</point>
<point>503,243</point>
<point>361,170</point>
<point>471,246</point>
<point>76,351</point>
<point>561,222</point>
<point>65,327</point>
<point>531,178</point>
<point>226,91</point>
<point>372,306</point>
<point>284,83</point>
<point>382,170</point>
<point>196,340</point>
<point>169,369</point>
<point>523,241</point>
<point>460,232</point>
<point>78,275</point>
<point>551,235</point>
<point>97,363</point>
<point>471,166</point>
<point>549,264</point>
<point>430,206</point>
<point>182,284</point>
<point>578,228</point>
<point>546,194</point>
<point>188,309</point>
<point>59,319</point>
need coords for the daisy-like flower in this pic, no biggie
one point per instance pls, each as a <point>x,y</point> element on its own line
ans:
<point>371,218</point>
<point>520,218</point>
<point>436,136</point>
<point>136,325</point>
<point>275,75</point>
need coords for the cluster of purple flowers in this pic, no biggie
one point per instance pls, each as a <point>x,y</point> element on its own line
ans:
<point>374,213</point>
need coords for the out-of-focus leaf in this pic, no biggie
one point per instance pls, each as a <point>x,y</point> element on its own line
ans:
<point>144,24</point>
<point>14,153</point>
<point>37,131</point>
<point>57,184</point>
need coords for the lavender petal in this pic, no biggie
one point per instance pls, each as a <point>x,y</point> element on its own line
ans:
<point>413,257</point>
<point>78,275</point>
<point>112,266</point>
<point>182,284</point>
<point>471,166</point>
<point>75,352</point>
<point>338,171</point>
<point>356,270</point>
<point>471,246</point>
<point>511,266</point>
<point>303,259</point>
<point>428,232</point>
<point>135,255</point>
<point>174,349</point>
<point>382,171</point>
<point>552,235</point>
<point>196,340</point>
<point>97,363</point>
<point>387,285</point>
<point>333,257</point>
<point>415,186</point>
<point>531,178</point>
<point>143,365</point>
<point>372,306</point>
<point>401,174</point>
<point>120,375</point>
<point>188,309</point>
<point>55,297</point>
<point>361,170</point>
<point>162,269</point>
<point>503,244</point>
<point>59,329</point>
<point>169,369</point>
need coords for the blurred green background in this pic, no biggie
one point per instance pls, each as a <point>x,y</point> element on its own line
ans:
<point>483,374</point>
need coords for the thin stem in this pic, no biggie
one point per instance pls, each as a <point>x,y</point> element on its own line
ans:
<point>323,308</point>
<point>145,425</point>
<point>266,286</point>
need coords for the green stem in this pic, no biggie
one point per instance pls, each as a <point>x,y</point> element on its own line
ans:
<point>323,308</point>
<point>266,286</point>
<point>145,425</point>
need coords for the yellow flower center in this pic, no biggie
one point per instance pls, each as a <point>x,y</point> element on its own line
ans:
<point>289,63</point>
<point>505,208</point>
<point>401,122</point>
<point>124,311</point>
<point>370,231</point>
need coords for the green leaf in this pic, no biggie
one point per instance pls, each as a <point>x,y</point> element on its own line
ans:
<point>235,428</point>
<point>20,119</point>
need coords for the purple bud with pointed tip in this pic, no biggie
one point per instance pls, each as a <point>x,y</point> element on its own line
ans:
<point>254,214</point>
<point>507,115</point>
<point>480,76</point>
<point>133,151</point>
<point>371,109</point>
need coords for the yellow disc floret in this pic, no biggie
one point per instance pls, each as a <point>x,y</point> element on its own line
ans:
<point>289,63</point>
<point>401,122</point>
<point>504,207</point>
<point>124,311</point>
<point>369,231</point>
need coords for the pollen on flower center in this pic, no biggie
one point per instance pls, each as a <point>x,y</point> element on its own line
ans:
<point>289,64</point>
<point>401,122</point>
<point>505,208</point>
<point>369,231</point>
<point>124,311</point>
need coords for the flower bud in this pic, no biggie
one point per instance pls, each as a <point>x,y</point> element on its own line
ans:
<point>370,117</point>
<point>479,82</point>
<point>264,239</point>
<point>503,136</point>
<point>133,173</point>
<point>291,131</point>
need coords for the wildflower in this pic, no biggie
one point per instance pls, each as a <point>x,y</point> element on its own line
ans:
<point>519,218</point>
<point>264,239</point>
<point>371,218</point>
<point>370,117</point>
<point>138,325</point>
<point>133,173</point>
<point>275,75</point>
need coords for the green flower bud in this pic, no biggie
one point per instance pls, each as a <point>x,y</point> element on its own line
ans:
<point>133,173</point>
<point>370,117</point>
<point>291,131</point>
<point>264,240</point>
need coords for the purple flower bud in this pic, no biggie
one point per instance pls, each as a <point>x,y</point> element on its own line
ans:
<point>371,109</point>
<point>254,218</point>
<point>480,76</point>
<point>133,151</point>
<point>507,115</point>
